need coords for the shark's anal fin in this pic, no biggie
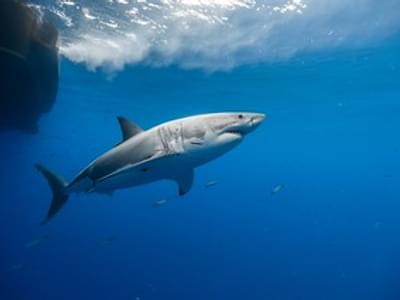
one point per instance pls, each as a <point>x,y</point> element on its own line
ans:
<point>184,180</point>
<point>128,128</point>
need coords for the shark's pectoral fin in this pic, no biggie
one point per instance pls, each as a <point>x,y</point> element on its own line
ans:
<point>184,180</point>
<point>128,128</point>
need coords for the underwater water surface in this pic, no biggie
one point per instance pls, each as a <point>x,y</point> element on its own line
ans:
<point>306,207</point>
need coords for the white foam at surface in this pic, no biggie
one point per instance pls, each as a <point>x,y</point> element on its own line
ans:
<point>215,34</point>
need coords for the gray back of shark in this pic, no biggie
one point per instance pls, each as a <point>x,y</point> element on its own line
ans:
<point>169,151</point>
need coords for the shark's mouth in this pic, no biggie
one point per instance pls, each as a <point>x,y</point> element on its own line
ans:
<point>236,129</point>
<point>235,132</point>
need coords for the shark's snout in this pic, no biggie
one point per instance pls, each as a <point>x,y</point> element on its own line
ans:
<point>257,119</point>
<point>240,123</point>
<point>254,120</point>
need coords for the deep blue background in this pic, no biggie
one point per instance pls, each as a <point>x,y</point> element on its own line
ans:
<point>331,139</point>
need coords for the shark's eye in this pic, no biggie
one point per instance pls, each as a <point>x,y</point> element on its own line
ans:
<point>240,116</point>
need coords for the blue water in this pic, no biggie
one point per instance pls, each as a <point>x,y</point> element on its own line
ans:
<point>331,140</point>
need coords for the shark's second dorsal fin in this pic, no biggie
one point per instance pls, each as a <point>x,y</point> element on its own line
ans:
<point>128,128</point>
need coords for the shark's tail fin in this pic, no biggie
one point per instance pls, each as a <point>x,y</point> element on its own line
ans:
<point>57,185</point>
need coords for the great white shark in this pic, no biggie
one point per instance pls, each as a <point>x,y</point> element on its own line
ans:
<point>171,151</point>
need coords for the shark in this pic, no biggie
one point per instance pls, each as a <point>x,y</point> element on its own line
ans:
<point>169,151</point>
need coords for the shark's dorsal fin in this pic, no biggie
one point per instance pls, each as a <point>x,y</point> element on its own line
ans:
<point>185,181</point>
<point>128,128</point>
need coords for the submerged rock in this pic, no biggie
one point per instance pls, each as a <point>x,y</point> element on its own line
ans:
<point>29,65</point>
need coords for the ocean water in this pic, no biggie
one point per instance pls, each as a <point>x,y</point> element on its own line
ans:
<point>306,208</point>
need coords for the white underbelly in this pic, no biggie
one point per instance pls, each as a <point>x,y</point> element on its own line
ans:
<point>164,168</point>
<point>197,157</point>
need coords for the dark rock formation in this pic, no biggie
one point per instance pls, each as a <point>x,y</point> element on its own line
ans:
<point>28,66</point>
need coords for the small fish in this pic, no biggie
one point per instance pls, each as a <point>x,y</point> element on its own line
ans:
<point>278,188</point>
<point>378,225</point>
<point>211,183</point>
<point>36,242</point>
<point>15,267</point>
<point>159,203</point>
<point>108,241</point>
<point>32,243</point>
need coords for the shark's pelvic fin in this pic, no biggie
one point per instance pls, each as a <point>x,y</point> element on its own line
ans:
<point>185,181</point>
<point>128,128</point>
<point>57,185</point>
